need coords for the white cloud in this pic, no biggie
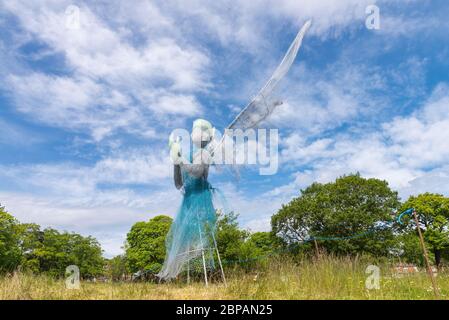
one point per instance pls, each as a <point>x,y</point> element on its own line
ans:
<point>411,25</point>
<point>133,168</point>
<point>407,152</point>
<point>181,104</point>
<point>73,103</point>
<point>240,21</point>
<point>422,139</point>
<point>347,92</point>
<point>297,149</point>
<point>112,82</point>
<point>126,60</point>
<point>98,51</point>
<point>254,211</point>
<point>434,181</point>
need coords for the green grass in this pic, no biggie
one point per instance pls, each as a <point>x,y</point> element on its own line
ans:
<point>326,278</point>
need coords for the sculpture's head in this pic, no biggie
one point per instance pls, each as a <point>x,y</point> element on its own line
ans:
<point>202,133</point>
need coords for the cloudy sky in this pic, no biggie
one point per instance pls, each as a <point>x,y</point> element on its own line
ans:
<point>85,110</point>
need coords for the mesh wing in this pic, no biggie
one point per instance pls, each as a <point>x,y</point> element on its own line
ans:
<point>261,106</point>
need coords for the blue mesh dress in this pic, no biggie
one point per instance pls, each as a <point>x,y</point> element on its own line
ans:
<point>191,234</point>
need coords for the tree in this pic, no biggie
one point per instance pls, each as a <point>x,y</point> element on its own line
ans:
<point>145,244</point>
<point>51,252</point>
<point>237,246</point>
<point>230,238</point>
<point>354,210</point>
<point>116,267</point>
<point>433,216</point>
<point>48,251</point>
<point>407,248</point>
<point>86,253</point>
<point>31,242</point>
<point>265,242</point>
<point>10,254</point>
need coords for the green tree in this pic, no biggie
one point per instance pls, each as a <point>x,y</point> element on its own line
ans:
<point>353,209</point>
<point>265,242</point>
<point>10,254</point>
<point>407,248</point>
<point>116,267</point>
<point>51,252</point>
<point>433,216</point>
<point>231,239</point>
<point>31,242</point>
<point>145,244</point>
<point>237,246</point>
<point>86,253</point>
<point>48,251</point>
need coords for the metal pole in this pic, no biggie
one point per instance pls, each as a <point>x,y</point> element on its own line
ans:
<point>426,258</point>
<point>316,249</point>
<point>219,260</point>
<point>202,251</point>
<point>188,272</point>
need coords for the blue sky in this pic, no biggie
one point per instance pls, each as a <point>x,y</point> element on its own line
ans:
<point>85,112</point>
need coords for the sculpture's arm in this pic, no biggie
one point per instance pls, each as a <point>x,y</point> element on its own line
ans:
<point>206,172</point>
<point>177,176</point>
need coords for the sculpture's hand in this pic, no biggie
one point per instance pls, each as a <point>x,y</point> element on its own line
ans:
<point>174,144</point>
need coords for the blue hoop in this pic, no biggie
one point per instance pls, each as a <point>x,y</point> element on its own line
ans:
<point>406,212</point>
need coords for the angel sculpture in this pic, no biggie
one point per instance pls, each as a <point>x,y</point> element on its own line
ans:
<point>192,233</point>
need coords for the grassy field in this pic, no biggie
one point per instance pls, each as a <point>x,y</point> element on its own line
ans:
<point>326,278</point>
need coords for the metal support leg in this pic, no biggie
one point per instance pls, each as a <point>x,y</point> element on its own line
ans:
<point>188,272</point>
<point>426,258</point>
<point>202,252</point>
<point>219,261</point>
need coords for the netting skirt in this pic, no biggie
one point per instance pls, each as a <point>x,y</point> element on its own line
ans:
<point>191,234</point>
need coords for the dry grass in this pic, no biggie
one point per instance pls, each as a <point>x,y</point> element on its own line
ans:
<point>328,278</point>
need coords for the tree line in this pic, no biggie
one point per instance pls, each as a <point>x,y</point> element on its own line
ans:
<point>25,246</point>
<point>350,216</point>
<point>354,215</point>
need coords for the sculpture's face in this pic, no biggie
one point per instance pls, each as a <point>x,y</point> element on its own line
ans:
<point>202,133</point>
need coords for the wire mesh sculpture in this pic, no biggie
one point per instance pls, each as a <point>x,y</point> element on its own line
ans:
<point>192,233</point>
